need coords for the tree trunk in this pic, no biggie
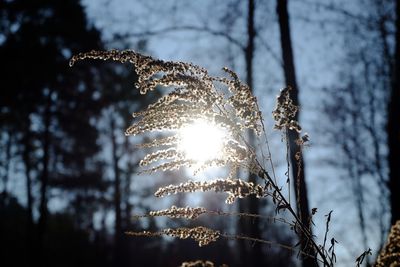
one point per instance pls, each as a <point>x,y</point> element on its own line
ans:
<point>297,166</point>
<point>7,163</point>
<point>393,128</point>
<point>251,255</point>
<point>27,149</point>
<point>117,195</point>
<point>44,179</point>
<point>130,169</point>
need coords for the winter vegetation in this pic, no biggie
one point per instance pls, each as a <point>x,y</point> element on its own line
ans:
<point>216,167</point>
<point>199,104</point>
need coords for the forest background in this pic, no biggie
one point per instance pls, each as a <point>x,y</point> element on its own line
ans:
<point>69,183</point>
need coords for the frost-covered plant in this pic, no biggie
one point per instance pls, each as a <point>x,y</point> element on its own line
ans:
<point>205,120</point>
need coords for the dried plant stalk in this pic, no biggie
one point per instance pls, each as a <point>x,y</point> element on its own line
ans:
<point>285,111</point>
<point>202,235</point>
<point>193,213</point>
<point>195,96</point>
<point>175,212</point>
<point>390,254</point>
<point>236,188</point>
<point>200,263</point>
<point>225,103</point>
<point>166,141</point>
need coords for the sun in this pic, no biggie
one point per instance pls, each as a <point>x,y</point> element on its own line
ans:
<point>202,141</point>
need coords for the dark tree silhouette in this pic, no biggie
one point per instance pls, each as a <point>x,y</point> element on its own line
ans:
<point>361,99</point>
<point>43,97</point>
<point>297,164</point>
<point>250,255</point>
<point>393,128</point>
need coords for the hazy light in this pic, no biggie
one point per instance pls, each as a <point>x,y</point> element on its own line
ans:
<point>202,141</point>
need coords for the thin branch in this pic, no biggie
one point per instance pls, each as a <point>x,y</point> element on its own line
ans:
<point>338,10</point>
<point>328,219</point>
<point>268,147</point>
<point>259,240</point>
<point>264,174</point>
<point>204,29</point>
<point>222,213</point>
<point>270,50</point>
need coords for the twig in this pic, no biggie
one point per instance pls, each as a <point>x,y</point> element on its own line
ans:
<point>259,240</point>
<point>264,174</point>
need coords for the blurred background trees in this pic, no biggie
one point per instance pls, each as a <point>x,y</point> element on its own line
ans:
<point>68,175</point>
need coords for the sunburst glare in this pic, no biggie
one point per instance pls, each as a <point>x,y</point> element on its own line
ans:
<point>202,141</point>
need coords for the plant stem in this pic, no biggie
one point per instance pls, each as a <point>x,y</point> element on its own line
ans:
<point>228,236</point>
<point>264,174</point>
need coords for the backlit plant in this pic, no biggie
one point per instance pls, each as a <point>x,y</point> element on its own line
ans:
<point>204,121</point>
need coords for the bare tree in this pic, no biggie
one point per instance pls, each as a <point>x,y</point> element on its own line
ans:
<point>296,156</point>
<point>357,105</point>
<point>117,192</point>
<point>251,255</point>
